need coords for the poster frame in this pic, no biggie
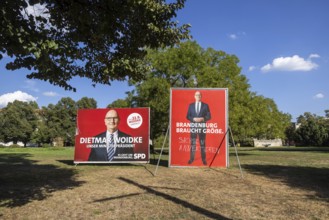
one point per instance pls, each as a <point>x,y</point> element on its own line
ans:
<point>226,133</point>
<point>76,162</point>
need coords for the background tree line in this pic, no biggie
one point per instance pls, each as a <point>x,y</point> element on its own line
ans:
<point>186,65</point>
<point>27,123</point>
<point>310,130</point>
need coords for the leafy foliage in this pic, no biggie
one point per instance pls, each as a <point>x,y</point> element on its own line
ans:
<point>313,130</point>
<point>58,122</point>
<point>101,40</point>
<point>86,103</point>
<point>189,65</point>
<point>18,122</point>
<point>119,103</point>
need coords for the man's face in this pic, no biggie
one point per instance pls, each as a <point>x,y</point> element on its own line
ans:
<point>197,96</point>
<point>112,120</point>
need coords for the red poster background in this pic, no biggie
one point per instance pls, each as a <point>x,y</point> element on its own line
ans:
<point>90,122</point>
<point>216,143</point>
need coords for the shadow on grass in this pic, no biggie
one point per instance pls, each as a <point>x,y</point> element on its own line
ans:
<point>176,200</point>
<point>71,163</point>
<point>131,195</point>
<point>67,162</point>
<point>22,180</point>
<point>306,178</point>
<point>117,197</point>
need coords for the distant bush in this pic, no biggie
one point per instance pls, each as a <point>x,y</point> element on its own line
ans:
<point>15,146</point>
<point>46,145</point>
<point>158,142</point>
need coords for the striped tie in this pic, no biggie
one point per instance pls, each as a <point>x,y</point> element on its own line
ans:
<point>110,150</point>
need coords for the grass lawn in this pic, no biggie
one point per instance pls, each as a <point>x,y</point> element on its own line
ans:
<point>278,183</point>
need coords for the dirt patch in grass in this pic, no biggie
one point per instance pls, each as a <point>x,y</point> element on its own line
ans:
<point>266,191</point>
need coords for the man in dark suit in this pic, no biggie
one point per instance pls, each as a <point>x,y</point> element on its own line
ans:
<point>198,113</point>
<point>114,150</point>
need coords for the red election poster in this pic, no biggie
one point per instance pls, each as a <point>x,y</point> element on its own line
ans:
<point>118,135</point>
<point>198,127</point>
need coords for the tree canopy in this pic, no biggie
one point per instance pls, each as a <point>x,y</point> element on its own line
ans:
<point>189,65</point>
<point>102,40</point>
<point>25,122</point>
<point>18,122</point>
<point>312,130</point>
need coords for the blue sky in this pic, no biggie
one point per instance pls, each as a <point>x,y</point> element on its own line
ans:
<point>283,47</point>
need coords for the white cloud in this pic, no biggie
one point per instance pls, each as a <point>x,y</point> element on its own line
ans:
<point>233,36</point>
<point>252,68</point>
<point>31,85</point>
<point>18,95</point>
<point>294,63</point>
<point>236,35</point>
<point>50,94</point>
<point>314,56</point>
<point>318,96</point>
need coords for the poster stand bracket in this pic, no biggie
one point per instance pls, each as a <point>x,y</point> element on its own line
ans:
<point>236,151</point>
<point>156,169</point>
<point>234,145</point>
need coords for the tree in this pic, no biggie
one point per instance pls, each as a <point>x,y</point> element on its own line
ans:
<point>291,134</point>
<point>154,93</point>
<point>172,67</point>
<point>119,103</point>
<point>86,103</point>
<point>326,125</point>
<point>42,134</point>
<point>187,64</point>
<point>326,113</point>
<point>101,40</point>
<point>58,123</point>
<point>64,115</point>
<point>312,130</point>
<point>267,122</point>
<point>18,122</point>
<point>251,115</point>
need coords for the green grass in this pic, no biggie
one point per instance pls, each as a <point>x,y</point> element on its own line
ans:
<point>26,172</point>
<point>34,177</point>
<point>285,156</point>
<point>302,167</point>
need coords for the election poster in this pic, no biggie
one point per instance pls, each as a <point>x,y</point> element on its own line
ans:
<point>198,127</point>
<point>116,135</point>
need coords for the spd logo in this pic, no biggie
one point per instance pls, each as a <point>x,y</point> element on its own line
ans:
<point>139,156</point>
